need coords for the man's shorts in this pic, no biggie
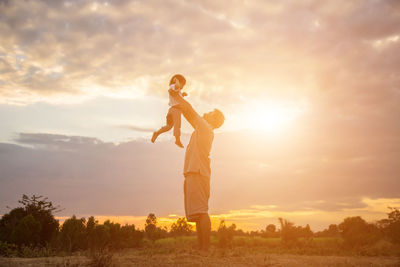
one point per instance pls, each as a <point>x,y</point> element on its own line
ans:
<point>196,192</point>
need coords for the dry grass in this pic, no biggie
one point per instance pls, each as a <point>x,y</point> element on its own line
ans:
<point>216,257</point>
<point>245,252</point>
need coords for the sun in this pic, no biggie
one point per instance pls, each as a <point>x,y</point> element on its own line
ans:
<point>268,117</point>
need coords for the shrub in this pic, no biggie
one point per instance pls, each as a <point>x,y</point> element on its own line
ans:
<point>73,234</point>
<point>181,227</point>
<point>32,224</point>
<point>152,231</point>
<point>356,232</point>
<point>391,226</point>
<point>8,250</point>
<point>289,233</point>
<point>225,234</point>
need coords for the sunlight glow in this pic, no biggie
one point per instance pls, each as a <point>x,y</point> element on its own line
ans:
<point>268,117</point>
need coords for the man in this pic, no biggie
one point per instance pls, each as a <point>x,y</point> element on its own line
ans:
<point>197,169</point>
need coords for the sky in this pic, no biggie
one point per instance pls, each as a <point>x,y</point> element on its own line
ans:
<point>310,91</point>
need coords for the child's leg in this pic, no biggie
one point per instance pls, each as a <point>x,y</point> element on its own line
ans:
<point>165,128</point>
<point>176,115</point>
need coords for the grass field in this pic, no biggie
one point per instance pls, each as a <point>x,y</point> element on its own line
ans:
<point>245,252</point>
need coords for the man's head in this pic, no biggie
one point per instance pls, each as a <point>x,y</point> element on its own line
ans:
<point>215,118</point>
<point>179,80</point>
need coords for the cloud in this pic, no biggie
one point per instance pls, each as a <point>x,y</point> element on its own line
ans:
<point>287,177</point>
<point>341,59</point>
<point>88,176</point>
<point>136,128</point>
<point>273,49</point>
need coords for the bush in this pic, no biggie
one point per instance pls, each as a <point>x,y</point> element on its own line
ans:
<point>289,234</point>
<point>73,234</point>
<point>357,232</point>
<point>32,224</point>
<point>181,227</point>
<point>8,250</point>
<point>391,226</point>
<point>152,231</point>
<point>225,234</point>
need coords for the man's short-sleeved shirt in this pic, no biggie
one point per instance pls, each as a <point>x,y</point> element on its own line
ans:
<point>197,156</point>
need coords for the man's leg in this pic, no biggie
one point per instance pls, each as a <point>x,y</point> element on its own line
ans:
<point>205,231</point>
<point>199,234</point>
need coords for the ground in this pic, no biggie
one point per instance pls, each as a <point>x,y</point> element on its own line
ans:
<point>137,258</point>
<point>182,252</point>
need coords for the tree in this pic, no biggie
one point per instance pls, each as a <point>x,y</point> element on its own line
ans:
<point>90,232</point>
<point>289,233</point>
<point>42,212</point>
<point>331,231</point>
<point>73,234</point>
<point>391,226</point>
<point>306,232</point>
<point>132,237</point>
<point>27,231</point>
<point>225,234</point>
<point>152,231</point>
<point>151,227</point>
<point>270,231</point>
<point>181,227</point>
<point>270,228</point>
<point>357,232</point>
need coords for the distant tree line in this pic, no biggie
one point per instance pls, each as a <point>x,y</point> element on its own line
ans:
<point>34,225</point>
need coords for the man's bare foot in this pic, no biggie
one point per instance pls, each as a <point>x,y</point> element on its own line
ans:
<point>178,143</point>
<point>154,137</point>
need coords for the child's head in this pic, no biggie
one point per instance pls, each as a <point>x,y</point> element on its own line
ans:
<point>215,118</point>
<point>178,79</point>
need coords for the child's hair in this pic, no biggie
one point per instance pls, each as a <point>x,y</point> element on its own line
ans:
<point>180,78</point>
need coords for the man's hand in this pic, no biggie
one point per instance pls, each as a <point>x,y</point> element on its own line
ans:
<point>172,92</point>
<point>187,110</point>
<point>184,94</point>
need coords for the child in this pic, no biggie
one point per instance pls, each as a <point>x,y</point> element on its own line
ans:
<point>176,83</point>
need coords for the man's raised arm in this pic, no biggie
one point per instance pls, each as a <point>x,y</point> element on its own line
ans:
<point>187,109</point>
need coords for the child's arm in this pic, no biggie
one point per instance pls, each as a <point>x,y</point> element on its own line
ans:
<point>187,110</point>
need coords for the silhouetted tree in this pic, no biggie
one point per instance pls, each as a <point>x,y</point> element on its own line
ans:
<point>331,231</point>
<point>28,231</point>
<point>306,232</point>
<point>152,231</point>
<point>289,233</point>
<point>270,231</point>
<point>357,232</point>
<point>391,226</point>
<point>225,234</point>
<point>90,232</point>
<point>73,234</point>
<point>271,228</point>
<point>181,227</point>
<point>43,226</point>
<point>132,237</point>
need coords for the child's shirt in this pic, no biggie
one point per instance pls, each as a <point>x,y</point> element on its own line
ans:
<point>172,101</point>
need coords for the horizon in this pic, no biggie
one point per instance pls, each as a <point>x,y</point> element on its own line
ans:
<point>309,90</point>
